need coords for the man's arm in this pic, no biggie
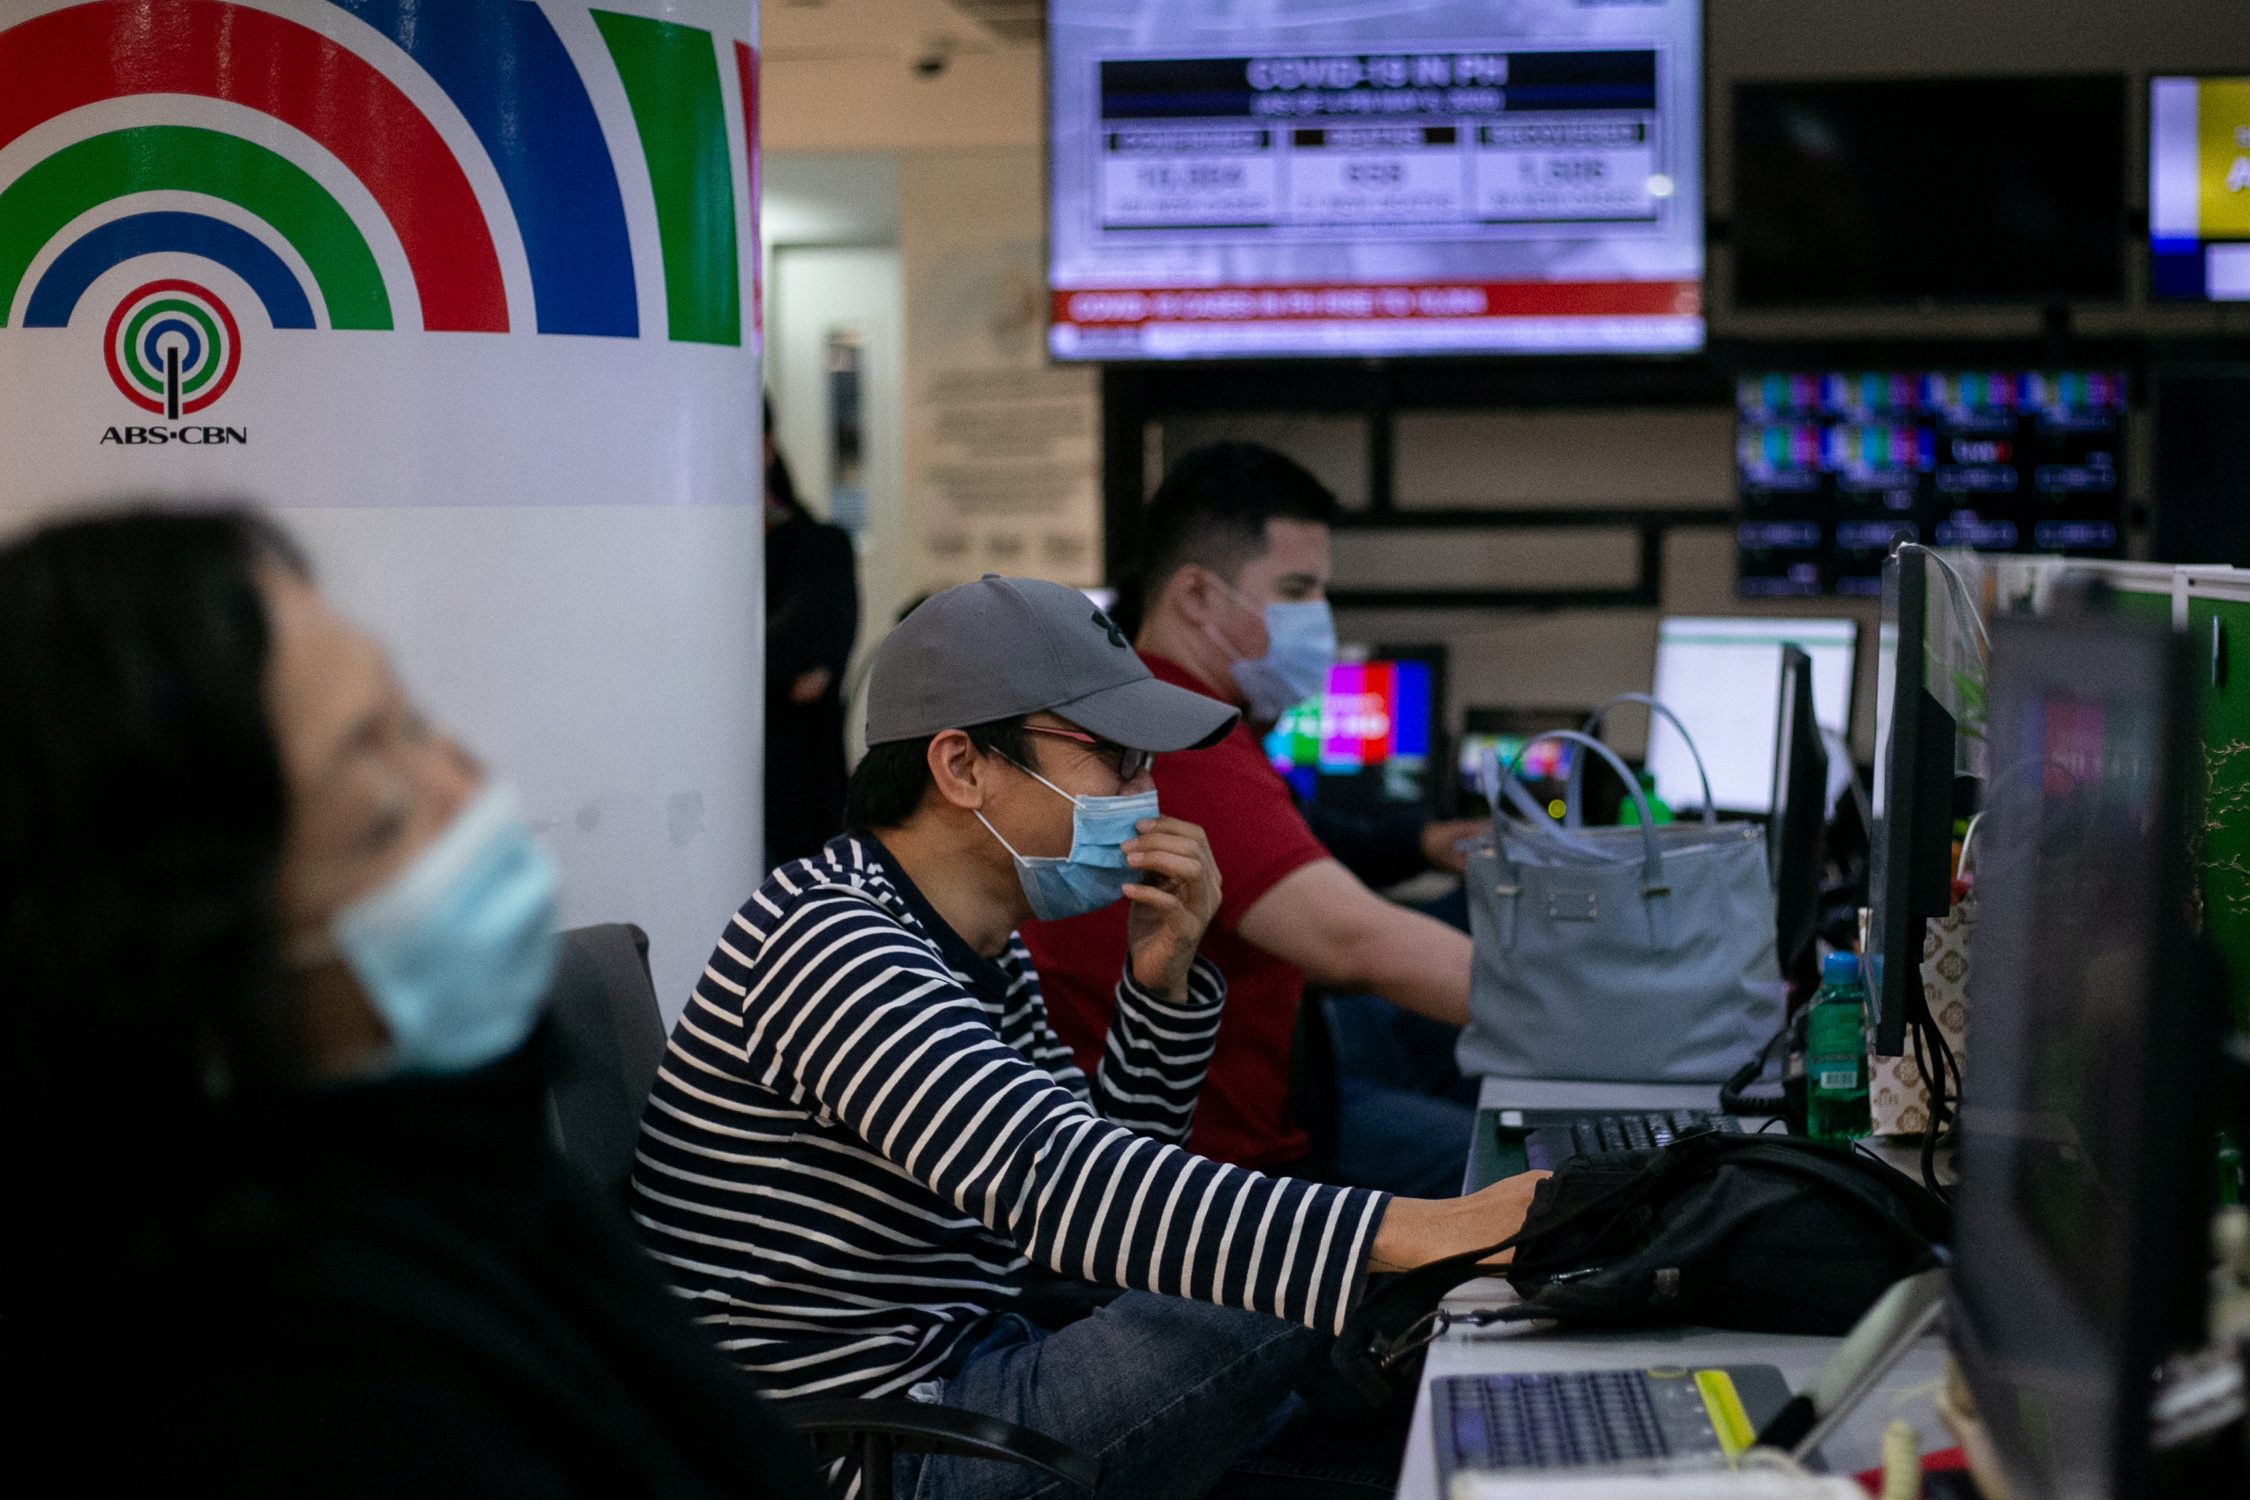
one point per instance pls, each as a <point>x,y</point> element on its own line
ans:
<point>844,1007</point>
<point>1350,940</point>
<point>1155,1055</point>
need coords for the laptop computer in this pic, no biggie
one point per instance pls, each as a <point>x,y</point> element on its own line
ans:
<point>1669,1418</point>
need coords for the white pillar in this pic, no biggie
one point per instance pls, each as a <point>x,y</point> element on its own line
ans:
<point>467,293</point>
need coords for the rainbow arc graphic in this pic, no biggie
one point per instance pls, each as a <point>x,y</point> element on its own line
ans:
<point>83,208</point>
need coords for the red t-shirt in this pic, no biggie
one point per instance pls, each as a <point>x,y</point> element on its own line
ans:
<point>1257,836</point>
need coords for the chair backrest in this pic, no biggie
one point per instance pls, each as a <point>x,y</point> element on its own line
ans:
<point>605,1014</point>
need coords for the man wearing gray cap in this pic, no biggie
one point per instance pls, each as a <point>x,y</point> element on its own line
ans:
<point>865,1133</point>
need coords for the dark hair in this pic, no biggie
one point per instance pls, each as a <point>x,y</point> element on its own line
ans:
<point>890,780</point>
<point>142,813</point>
<point>1212,509</point>
<point>781,487</point>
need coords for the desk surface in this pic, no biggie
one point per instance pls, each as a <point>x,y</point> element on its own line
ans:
<point>1907,1394</point>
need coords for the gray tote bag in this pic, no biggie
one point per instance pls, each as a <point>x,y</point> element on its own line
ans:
<point>1622,954</point>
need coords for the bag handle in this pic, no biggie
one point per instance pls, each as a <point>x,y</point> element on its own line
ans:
<point>1593,725</point>
<point>1652,861</point>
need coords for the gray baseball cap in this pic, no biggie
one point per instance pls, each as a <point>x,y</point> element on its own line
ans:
<point>1007,646</point>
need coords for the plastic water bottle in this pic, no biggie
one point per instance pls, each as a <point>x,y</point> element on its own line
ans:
<point>1836,1053</point>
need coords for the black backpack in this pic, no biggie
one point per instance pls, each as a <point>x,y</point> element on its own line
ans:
<point>1770,1234</point>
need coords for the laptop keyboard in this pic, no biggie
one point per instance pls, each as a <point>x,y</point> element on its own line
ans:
<point>1546,1421</point>
<point>1549,1146</point>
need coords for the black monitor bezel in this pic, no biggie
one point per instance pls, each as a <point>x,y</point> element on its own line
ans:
<point>2118,289</point>
<point>1438,780</point>
<point>1799,810</point>
<point>2171,1178</point>
<point>1915,827</point>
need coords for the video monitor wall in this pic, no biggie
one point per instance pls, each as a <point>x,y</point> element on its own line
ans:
<point>2199,189</point>
<point>1330,177</point>
<point>1832,469</point>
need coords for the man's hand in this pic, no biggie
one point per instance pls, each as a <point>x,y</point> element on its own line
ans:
<point>1441,842</point>
<point>1173,906</point>
<point>1417,1231</point>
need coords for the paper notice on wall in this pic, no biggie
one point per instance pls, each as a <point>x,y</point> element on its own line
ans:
<point>1003,451</point>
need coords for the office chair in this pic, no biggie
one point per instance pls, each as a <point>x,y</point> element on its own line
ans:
<point>604,1011</point>
<point>1315,1087</point>
<point>603,1008</point>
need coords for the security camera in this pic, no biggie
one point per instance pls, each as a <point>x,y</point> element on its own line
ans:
<point>936,55</point>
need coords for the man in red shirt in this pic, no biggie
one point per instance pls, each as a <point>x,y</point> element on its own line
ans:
<point>1236,545</point>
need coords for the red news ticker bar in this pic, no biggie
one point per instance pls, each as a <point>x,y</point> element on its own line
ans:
<point>1124,306</point>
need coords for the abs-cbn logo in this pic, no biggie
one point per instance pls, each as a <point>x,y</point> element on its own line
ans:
<point>173,348</point>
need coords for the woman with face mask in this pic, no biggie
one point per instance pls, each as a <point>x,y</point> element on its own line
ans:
<point>275,956</point>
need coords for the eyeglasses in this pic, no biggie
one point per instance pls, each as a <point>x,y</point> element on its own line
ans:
<point>1127,763</point>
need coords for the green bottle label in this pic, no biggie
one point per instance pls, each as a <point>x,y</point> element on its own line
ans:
<point>1836,1066</point>
<point>1835,1045</point>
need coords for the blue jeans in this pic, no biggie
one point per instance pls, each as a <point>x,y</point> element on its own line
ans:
<point>1170,1395</point>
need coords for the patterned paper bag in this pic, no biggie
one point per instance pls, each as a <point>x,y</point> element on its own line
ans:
<point>1894,1085</point>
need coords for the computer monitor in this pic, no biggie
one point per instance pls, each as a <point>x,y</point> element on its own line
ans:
<point>1490,733</point>
<point>1910,875</point>
<point>1800,810</point>
<point>1719,675</point>
<point>1483,752</point>
<point>1369,739</point>
<point>2198,214</point>
<point>1871,191</point>
<point>2084,1200</point>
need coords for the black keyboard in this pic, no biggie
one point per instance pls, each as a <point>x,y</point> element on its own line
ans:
<point>1553,1142</point>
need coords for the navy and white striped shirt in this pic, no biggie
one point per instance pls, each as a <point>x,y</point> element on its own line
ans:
<point>862,1129</point>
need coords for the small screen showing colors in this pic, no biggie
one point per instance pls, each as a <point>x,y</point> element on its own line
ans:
<point>1333,177</point>
<point>1374,719</point>
<point>2199,189</point>
<point>1483,756</point>
<point>1835,468</point>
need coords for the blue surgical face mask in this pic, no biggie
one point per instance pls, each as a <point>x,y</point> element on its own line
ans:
<point>1094,874</point>
<point>1300,648</point>
<point>457,949</point>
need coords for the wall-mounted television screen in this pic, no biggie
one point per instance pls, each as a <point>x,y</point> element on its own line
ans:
<point>2199,189</point>
<point>1834,468</point>
<point>1333,177</point>
<point>1929,190</point>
